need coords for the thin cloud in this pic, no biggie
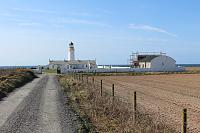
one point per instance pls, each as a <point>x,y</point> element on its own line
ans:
<point>68,18</point>
<point>29,24</point>
<point>151,28</point>
<point>52,12</point>
<point>6,14</point>
<point>34,10</point>
<point>83,21</point>
<point>84,14</point>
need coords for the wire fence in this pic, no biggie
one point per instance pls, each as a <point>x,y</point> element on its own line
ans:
<point>180,117</point>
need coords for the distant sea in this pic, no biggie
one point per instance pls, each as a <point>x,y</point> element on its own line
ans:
<point>13,67</point>
<point>189,65</point>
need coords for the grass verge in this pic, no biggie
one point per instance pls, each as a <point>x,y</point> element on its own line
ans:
<point>106,113</point>
<point>49,71</point>
<point>11,79</point>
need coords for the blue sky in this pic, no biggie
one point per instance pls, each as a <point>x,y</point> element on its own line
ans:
<point>32,31</point>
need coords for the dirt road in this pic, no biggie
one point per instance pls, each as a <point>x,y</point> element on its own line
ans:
<point>163,96</point>
<point>38,107</point>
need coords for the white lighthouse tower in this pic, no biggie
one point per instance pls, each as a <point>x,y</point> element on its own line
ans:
<point>71,52</point>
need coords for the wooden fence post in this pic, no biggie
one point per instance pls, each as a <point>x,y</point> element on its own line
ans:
<point>184,126</point>
<point>101,87</point>
<point>113,90</point>
<point>93,80</point>
<point>87,78</point>
<point>135,102</point>
<point>79,78</point>
<point>82,77</point>
<point>135,106</point>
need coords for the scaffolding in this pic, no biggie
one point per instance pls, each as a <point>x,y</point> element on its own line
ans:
<point>134,62</point>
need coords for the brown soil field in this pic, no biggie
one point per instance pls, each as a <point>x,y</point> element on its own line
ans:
<point>162,96</point>
<point>192,68</point>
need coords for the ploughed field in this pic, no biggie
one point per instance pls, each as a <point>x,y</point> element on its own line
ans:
<point>161,96</point>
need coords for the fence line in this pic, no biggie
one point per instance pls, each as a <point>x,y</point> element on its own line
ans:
<point>81,78</point>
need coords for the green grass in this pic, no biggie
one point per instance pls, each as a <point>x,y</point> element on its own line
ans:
<point>49,71</point>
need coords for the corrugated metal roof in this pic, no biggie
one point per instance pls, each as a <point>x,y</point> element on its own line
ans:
<point>147,58</point>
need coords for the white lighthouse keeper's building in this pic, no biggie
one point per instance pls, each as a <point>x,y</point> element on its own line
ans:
<point>71,62</point>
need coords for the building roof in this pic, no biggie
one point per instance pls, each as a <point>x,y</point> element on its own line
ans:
<point>71,62</point>
<point>147,58</point>
<point>81,62</point>
<point>55,62</point>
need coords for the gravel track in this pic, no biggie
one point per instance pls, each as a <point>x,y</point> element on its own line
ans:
<point>41,110</point>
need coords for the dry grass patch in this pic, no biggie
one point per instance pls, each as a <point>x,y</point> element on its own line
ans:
<point>11,79</point>
<point>106,113</point>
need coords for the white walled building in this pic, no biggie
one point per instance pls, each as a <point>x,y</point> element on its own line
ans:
<point>80,64</point>
<point>71,63</point>
<point>154,61</point>
<point>54,64</point>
